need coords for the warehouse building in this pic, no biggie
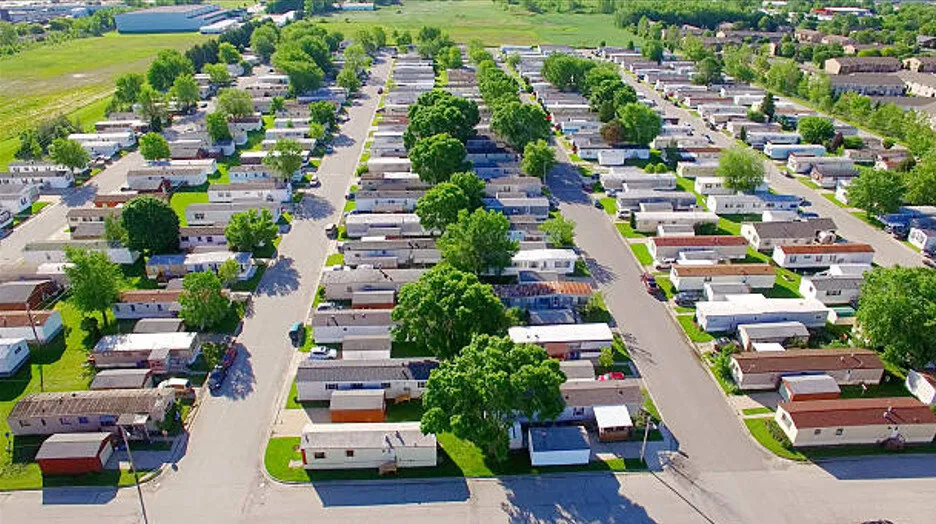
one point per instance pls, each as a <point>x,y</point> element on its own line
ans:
<point>170,19</point>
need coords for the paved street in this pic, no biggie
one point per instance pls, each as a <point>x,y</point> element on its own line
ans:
<point>888,251</point>
<point>720,476</point>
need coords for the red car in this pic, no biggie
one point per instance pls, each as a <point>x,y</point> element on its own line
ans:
<point>650,283</point>
<point>614,375</point>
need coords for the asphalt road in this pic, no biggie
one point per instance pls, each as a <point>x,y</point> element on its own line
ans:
<point>888,251</point>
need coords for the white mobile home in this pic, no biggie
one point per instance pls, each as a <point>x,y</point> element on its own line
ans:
<point>753,370</point>
<point>649,221</point>
<point>751,204</point>
<point>52,251</point>
<point>722,246</point>
<point>268,191</point>
<point>398,377</point>
<point>367,446</point>
<point>725,316</point>
<point>566,341</point>
<point>857,421</point>
<point>220,214</point>
<point>840,284</point>
<point>14,352</point>
<point>783,333</point>
<point>822,255</point>
<point>543,262</point>
<point>715,185</point>
<point>783,151</point>
<point>923,386</point>
<point>694,277</point>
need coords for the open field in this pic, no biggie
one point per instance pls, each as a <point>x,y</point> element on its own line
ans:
<point>74,78</point>
<point>464,20</point>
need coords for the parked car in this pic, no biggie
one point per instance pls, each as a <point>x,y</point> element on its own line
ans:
<point>216,377</point>
<point>331,230</point>
<point>624,214</point>
<point>296,334</point>
<point>314,181</point>
<point>650,283</point>
<point>614,375</point>
<point>329,149</point>
<point>322,353</point>
<point>380,90</point>
<point>181,386</point>
<point>598,204</point>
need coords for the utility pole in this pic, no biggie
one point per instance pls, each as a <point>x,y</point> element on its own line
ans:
<point>643,447</point>
<point>136,478</point>
<point>32,324</point>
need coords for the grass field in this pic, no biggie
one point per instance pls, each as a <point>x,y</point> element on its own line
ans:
<point>464,20</point>
<point>692,330</point>
<point>74,78</point>
<point>642,254</point>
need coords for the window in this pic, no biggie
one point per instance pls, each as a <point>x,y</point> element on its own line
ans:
<point>24,424</point>
<point>82,420</point>
<point>331,386</point>
<point>834,292</point>
<point>349,453</point>
<point>421,384</point>
<point>578,412</point>
<point>318,455</point>
<point>65,421</point>
<point>817,431</point>
<point>385,385</point>
<point>839,431</point>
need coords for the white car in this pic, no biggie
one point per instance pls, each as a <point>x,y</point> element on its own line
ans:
<point>322,353</point>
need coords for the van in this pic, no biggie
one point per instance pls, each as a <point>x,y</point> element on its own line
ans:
<point>296,333</point>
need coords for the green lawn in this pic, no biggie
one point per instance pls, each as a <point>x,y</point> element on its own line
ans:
<point>350,205</point>
<point>308,340</point>
<point>60,365</point>
<point>692,330</point>
<point>756,411</point>
<point>892,387</point>
<point>252,283</point>
<point>787,282</point>
<point>32,211</point>
<point>831,198</point>
<point>405,412</point>
<point>493,24</point>
<point>731,224</point>
<point>871,221</point>
<point>73,78</point>
<point>182,199</point>
<point>610,205</point>
<point>761,428</point>
<point>407,350</point>
<point>335,259</point>
<point>629,232</point>
<point>684,184</point>
<point>292,403</point>
<point>808,183</point>
<point>666,286</point>
<point>642,253</point>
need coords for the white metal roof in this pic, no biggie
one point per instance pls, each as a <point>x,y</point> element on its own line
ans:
<point>612,416</point>
<point>560,333</point>
<point>767,346</point>
<point>806,384</point>
<point>145,341</point>
<point>546,254</point>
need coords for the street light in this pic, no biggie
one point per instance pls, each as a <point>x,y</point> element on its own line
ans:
<point>643,446</point>
<point>136,478</point>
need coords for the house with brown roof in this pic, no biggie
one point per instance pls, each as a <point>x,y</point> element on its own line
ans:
<point>45,324</point>
<point>582,396</point>
<point>197,236</point>
<point>140,411</point>
<point>846,65</point>
<point>722,247</point>
<point>18,295</point>
<point>868,84</point>
<point>753,370</point>
<point>858,421</point>
<point>544,295</point>
<point>822,255</point>
<point>147,303</point>
<point>694,277</point>
<point>920,64</point>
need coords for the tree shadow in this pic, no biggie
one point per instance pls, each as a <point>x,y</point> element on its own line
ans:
<point>583,498</point>
<point>80,197</point>
<point>343,140</point>
<point>313,207</point>
<point>891,466</point>
<point>281,278</point>
<point>601,273</point>
<point>81,495</point>
<point>378,493</point>
<point>240,381</point>
<point>565,183</point>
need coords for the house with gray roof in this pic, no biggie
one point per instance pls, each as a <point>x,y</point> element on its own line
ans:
<point>398,377</point>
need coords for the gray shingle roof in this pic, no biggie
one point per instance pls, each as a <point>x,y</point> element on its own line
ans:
<point>365,370</point>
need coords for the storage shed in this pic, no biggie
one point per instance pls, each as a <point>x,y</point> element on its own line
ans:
<point>74,453</point>
<point>614,423</point>
<point>123,379</point>
<point>559,446</point>
<point>360,405</point>
<point>809,387</point>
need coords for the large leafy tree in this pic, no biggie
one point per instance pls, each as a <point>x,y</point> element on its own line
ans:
<point>560,231</point>
<point>250,230</point>
<point>538,158</point>
<point>741,168</point>
<point>202,301</point>
<point>168,65</point>
<point>218,74</point>
<point>285,158</point>
<point>435,158</point>
<point>128,89</point>
<point>566,72</point>
<point>641,124</point>
<point>479,242</point>
<point>235,103</point>
<point>471,186</point>
<point>348,79</point>
<point>440,206</point>
<point>228,54</point>
<point>876,191</point>
<point>94,281</point>
<point>481,393</point>
<point>151,224</point>
<point>263,41</point>
<point>815,129</point>
<point>217,126</point>
<point>440,312</point>
<point>185,91</point>
<point>304,73</point>
<point>897,312</point>
<point>153,107</point>
<point>921,182</point>
<point>323,113</point>
<point>70,153</point>
<point>439,111</point>
<point>153,146</point>
<point>519,124</point>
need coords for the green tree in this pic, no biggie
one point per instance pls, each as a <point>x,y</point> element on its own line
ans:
<point>153,107</point>
<point>218,74</point>
<point>440,206</point>
<point>235,103</point>
<point>349,80</point>
<point>153,146</point>
<point>877,192</point>
<point>202,300</point>
<point>921,182</point>
<point>641,124</point>
<point>94,281</point>
<point>228,271</point>
<point>519,124</point>
<point>168,65</point>
<point>285,158</point>
<point>435,158</point>
<point>513,60</point>
<point>708,71</point>
<point>478,242</point>
<point>815,129</point>
<point>449,58</point>
<point>566,72</point>
<point>653,50</point>
<point>479,394</point>
<point>128,89</point>
<point>784,76</point>
<point>560,231</point>
<point>538,159</point>
<point>185,92</point>
<point>439,111</point>
<point>29,146</point>
<point>896,311</point>
<point>70,153</point>
<point>228,54</point>
<point>440,312</point>
<point>114,230</point>
<point>767,106</point>
<point>217,126</point>
<point>263,41</point>
<point>250,230</point>
<point>151,224</point>
<point>471,186</point>
<point>277,104</point>
<point>741,168</point>
<point>322,113</point>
